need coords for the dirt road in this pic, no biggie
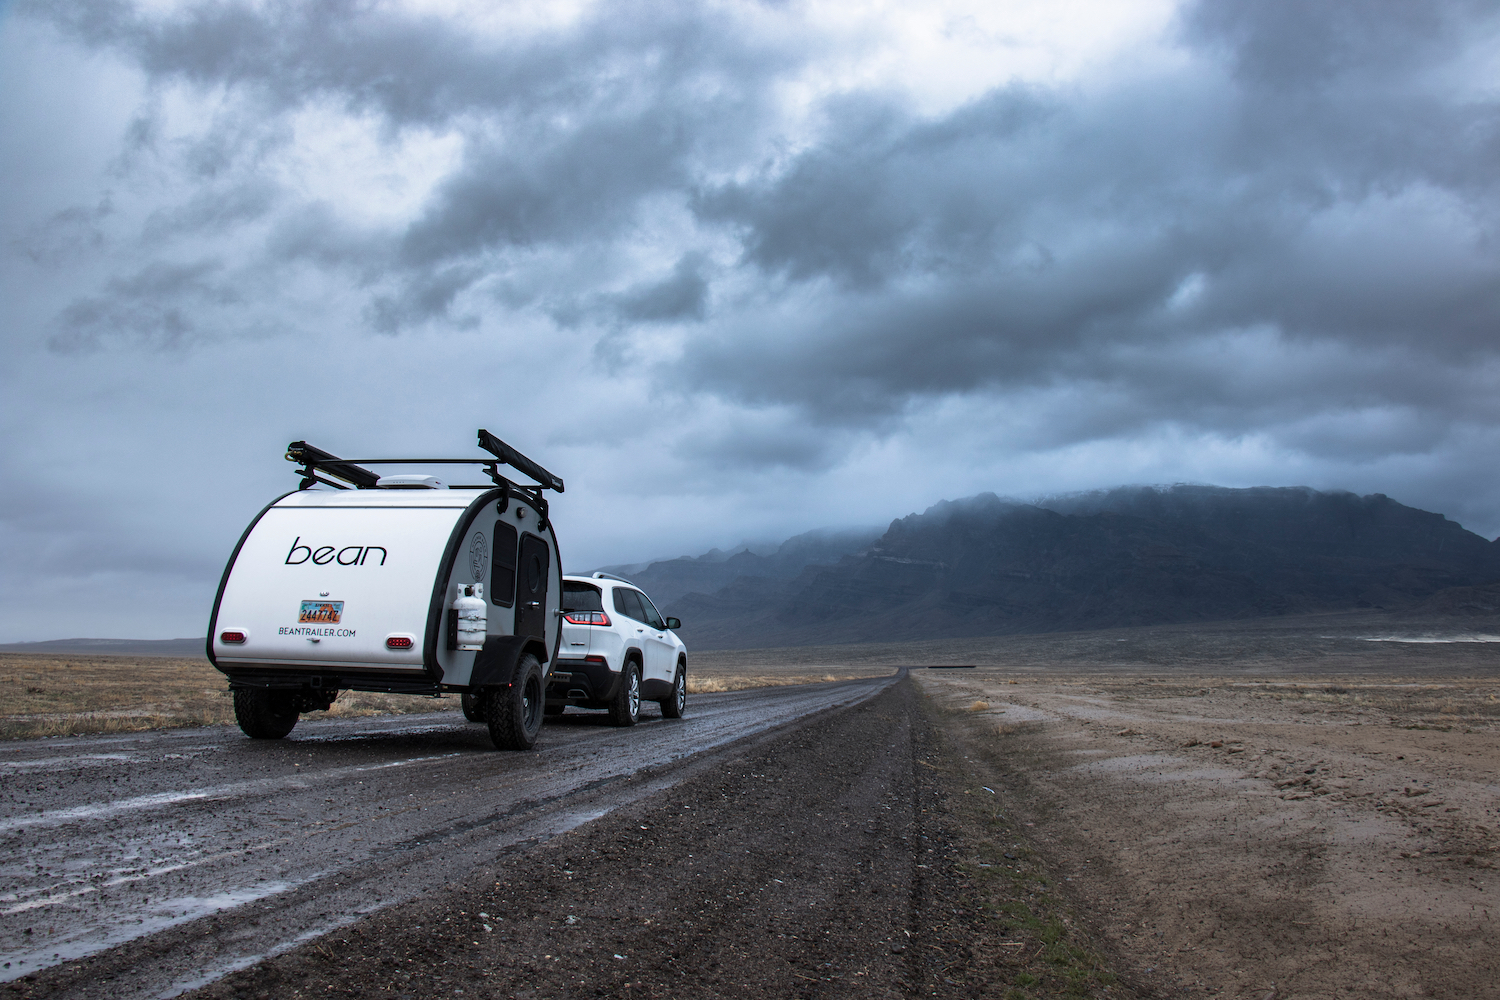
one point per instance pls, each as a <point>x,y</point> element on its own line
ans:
<point>169,858</point>
<point>1174,820</point>
<point>834,858</point>
<point>1230,835</point>
<point>839,856</point>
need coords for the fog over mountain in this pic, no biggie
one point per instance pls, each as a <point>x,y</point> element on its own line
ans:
<point>1131,556</point>
<point>669,579</point>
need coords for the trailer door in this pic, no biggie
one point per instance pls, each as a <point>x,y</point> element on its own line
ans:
<point>532,572</point>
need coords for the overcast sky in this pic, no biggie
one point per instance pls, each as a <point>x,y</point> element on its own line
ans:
<point>733,270</point>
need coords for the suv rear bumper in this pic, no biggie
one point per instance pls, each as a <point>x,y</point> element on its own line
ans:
<point>589,680</point>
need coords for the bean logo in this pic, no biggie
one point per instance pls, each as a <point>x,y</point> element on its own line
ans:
<point>349,555</point>
<point>479,556</point>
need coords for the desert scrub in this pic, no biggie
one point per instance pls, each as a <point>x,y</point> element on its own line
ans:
<point>64,695</point>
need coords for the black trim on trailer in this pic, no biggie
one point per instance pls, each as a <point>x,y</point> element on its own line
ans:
<point>557,615</point>
<point>440,585</point>
<point>334,679</point>
<point>495,664</point>
<point>213,618</point>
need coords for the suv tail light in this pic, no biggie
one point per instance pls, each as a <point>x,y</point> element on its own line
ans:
<point>586,617</point>
<point>234,637</point>
<point>399,642</point>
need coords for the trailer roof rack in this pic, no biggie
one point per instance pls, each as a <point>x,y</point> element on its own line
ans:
<point>319,466</point>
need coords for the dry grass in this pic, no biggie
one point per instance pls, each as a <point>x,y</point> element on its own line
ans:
<point>1327,644</point>
<point>62,695</point>
<point>698,683</point>
<point>44,695</point>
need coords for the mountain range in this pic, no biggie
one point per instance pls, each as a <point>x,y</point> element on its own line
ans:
<point>1129,556</point>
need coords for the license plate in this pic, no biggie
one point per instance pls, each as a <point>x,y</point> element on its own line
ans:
<point>321,612</point>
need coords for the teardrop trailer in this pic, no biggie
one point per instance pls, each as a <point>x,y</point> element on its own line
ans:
<point>398,584</point>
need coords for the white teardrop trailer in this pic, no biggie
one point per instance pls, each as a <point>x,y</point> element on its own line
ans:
<point>400,583</point>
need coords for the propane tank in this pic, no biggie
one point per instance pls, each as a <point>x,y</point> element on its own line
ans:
<point>472,615</point>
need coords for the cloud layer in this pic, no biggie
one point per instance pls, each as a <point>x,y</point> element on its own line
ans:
<point>734,270</point>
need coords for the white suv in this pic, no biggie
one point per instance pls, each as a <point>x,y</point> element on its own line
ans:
<point>616,649</point>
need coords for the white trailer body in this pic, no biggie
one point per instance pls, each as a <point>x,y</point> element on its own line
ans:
<point>413,590</point>
<point>324,580</point>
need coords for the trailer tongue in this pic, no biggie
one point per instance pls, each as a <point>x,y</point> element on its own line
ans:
<point>396,583</point>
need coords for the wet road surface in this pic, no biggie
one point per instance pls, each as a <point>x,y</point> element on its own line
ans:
<point>182,855</point>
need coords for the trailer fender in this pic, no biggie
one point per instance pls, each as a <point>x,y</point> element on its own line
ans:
<point>495,664</point>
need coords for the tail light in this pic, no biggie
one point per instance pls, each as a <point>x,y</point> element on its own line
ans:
<point>399,642</point>
<point>232,637</point>
<point>586,617</point>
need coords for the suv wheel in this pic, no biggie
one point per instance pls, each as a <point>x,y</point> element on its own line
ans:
<point>673,704</point>
<point>473,707</point>
<point>514,713</point>
<point>625,707</point>
<point>265,715</point>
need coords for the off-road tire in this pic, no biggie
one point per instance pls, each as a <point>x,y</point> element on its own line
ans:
<point>263,714</point>
<point>473,707</point>
<point>625,706</point>
<point>672,705</point>
<point>514,712</point>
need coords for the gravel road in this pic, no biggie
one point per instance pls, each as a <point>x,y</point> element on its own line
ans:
<point>174,857</point>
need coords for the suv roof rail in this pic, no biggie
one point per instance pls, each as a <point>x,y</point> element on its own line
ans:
<point>601,575</point>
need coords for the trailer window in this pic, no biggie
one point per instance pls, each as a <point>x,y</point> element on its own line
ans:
<point>503,565</point>
<point>581,597</point>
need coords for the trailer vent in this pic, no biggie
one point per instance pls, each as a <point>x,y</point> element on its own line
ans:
<point>233,637</point>
<point>399,642</point>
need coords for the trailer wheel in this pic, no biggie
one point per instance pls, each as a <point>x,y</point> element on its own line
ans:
<point>473,706</point>
<point>265,715</point>
<point>673,704</point>
<point>625,707</point>
<point>514,713</point>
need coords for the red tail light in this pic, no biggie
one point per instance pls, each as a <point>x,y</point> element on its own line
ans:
<point>399,642</point>
<point>586,617</point>
<point>234,637</point>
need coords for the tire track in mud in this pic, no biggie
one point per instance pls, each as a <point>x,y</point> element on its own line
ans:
<point>824,860</point>
<point>295,849</point>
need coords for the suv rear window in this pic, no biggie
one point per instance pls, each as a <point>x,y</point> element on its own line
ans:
<point>581,597</point>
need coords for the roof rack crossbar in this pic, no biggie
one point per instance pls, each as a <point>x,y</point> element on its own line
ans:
<point>315,460</point>
<point>518,461</point>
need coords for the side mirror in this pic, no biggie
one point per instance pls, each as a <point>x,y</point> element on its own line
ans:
<point>674,623</point>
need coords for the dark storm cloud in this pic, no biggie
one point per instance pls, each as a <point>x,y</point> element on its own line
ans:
<point>1285,45</point>
<point>1315,182</point>
<point>1028,238</point>
<point>566,131</point>
<point>153,307</point>
<point>681,295</point>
